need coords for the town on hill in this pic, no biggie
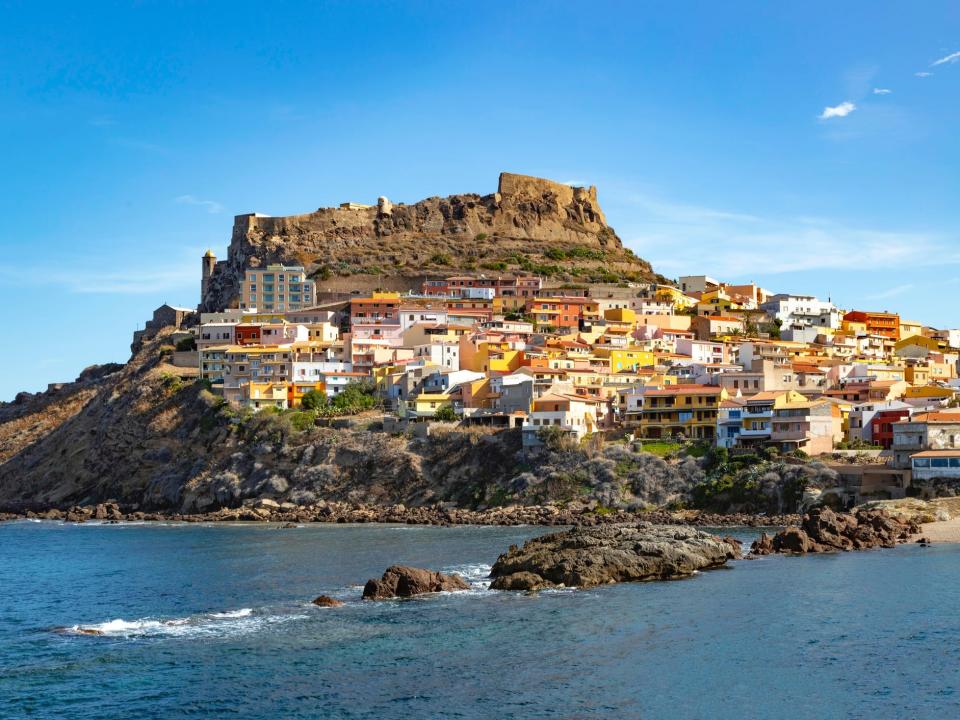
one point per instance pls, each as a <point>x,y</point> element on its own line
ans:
<point>699,360</point>
<point>518,313</point>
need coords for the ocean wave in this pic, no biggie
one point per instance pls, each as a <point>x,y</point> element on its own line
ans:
<point>470,572</point>
<point>242,612</point>
<point>216,624</point>
<point>477,574</point>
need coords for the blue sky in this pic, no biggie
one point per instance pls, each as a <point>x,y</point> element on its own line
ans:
<point>811,147</point>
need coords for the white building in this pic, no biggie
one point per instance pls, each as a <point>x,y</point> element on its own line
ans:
<point>410,316</point>
<point>861,416</point>
<point>701,351</point>
<point>307,371</point>
<point>212,334</point>
<point>441,354</point>
<point>803,311</point>
<point>283,333</point>
<point>577,414</point>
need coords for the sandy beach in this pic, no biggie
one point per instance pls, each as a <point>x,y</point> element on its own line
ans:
<point>942,531</point>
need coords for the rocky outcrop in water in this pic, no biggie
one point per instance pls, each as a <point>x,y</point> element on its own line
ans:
<point>587,557</point>
<point>823,530</point>
<point>400,581</point>
<point>326,601</point>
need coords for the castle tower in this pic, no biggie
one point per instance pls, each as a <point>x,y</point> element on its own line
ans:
<point>209,262</point>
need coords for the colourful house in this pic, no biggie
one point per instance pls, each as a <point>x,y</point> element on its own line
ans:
<point>681,410</point>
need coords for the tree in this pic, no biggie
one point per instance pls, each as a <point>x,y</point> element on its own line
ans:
<point>445,414</point>
<point>354,398</point>
<point>313,400</point>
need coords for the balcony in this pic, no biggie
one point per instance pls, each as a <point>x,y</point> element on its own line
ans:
<point>759,413</point>
<point>790,434</point>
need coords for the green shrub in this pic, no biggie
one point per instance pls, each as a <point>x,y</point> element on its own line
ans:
<point>440,259</point>
<point>303,420</point>
<point>187,344</point>
<point>313,400</point>
<point>445,414</point>
<point>171,383</point>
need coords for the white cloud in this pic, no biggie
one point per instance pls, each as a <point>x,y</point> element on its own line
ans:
<point>841,110</point>
<point>675,238</point>
<point>923,74</point>
<point>211,205</point>
<point>882,91</point>
<point>684,214</point>
<point>951,58</point>
<point>892,292</point>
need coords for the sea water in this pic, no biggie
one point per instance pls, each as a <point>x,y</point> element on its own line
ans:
<point>215,621</point>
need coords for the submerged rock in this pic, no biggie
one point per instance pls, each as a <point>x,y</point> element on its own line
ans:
<point>823,530</point>
<point>403,581</point>
<point>586,557</point>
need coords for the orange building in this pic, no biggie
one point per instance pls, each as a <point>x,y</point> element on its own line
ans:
<point>877,323</point>
<point>247,334</point>
<point>562,313</point>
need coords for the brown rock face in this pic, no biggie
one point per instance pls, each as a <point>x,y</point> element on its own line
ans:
<point>396,246</point>
<point>402,581</point>
<point>586,557</point>
<point>823,530</point>
<point>763,545</point>
<point>326,601</point>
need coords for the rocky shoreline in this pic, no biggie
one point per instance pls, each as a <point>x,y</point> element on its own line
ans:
<point>264,510</point>
<point>588,557</point>
<point>823,530</point>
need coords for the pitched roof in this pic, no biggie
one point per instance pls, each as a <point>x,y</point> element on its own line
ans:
<point>937,454</point>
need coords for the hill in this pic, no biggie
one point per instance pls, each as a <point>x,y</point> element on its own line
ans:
<point>528,225</point>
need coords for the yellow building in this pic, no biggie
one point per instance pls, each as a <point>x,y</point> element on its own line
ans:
<point>620,316</point>
<point>630,358</point>
<point>909,327</point>
<point>259,395</point>
<point>928,392</point>
<point>681,410</point>
<point>670,294</point>
<point>489,356</point>
<point>425,404</point>
<point>853,328</point>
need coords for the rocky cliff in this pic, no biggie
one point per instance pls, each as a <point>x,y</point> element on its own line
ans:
<point>529,224</point>
<point>145,437</point>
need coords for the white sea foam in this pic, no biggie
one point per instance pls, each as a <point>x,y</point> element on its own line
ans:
<point>242,612</point>
<point>219,624</point>
<point>475,574</point>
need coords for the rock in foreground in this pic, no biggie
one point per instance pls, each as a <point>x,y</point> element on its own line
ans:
<point>402,581</point>
<point>823,530</point>
<point>586,557</point>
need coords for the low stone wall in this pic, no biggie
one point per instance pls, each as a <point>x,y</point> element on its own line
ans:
<point>186,358</point>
